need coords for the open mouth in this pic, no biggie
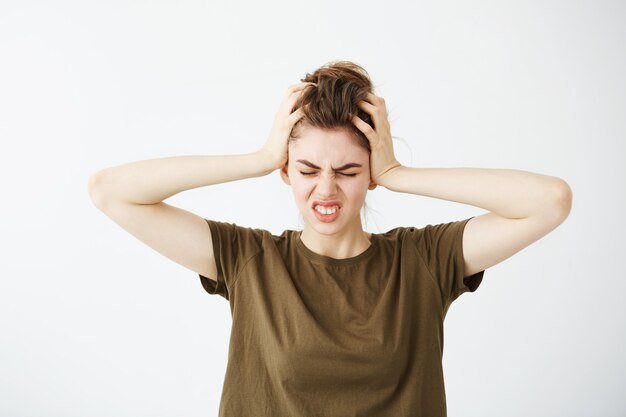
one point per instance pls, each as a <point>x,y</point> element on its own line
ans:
<point>326,214</point>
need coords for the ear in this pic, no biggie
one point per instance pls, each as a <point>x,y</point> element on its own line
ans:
<point>285,175</point>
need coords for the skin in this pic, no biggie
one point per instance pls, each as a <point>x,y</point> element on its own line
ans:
<point>521,207</point>
<point>329,150</point>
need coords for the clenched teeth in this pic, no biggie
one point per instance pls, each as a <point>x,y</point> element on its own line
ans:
<point>326,210</point>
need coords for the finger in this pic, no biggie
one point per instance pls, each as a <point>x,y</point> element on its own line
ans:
<point>291,97</point>
<point>367,107</point>
<point>378,113</point>
<point>376,105</point>
<point>363,127</point>
<point>298,87</point>
<point>295,116</point>
<point>375,99</point>
<point>289,102</point>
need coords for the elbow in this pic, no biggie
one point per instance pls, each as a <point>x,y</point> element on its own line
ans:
<point>563,198</point>
<point>94,189</point>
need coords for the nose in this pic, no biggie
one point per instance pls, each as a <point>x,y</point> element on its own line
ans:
<point>326,185</point>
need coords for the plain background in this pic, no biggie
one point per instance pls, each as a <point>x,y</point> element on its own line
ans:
<point>95,323</point>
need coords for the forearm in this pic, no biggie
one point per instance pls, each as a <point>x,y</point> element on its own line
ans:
<point>506,192</point>
<point>153,180</point>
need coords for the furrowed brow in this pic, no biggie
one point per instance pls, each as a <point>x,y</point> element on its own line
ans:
<point>348,166</point>
<point>341,168</point>
<point>307,163</point>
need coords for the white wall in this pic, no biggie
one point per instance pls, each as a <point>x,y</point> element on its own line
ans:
<point>94,323</point>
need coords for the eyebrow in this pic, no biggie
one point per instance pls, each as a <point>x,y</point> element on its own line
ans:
<point>341,168</point>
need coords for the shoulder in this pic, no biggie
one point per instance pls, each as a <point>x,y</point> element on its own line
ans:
<point>237,239</point>
<point>235,228</point>
<point>429,234</point>
<point>233,232</point>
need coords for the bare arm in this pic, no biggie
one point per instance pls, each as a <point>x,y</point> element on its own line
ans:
<point>154,180</point>
<point>523,206</point>
<point>510,193</point>
<point>132,194</point>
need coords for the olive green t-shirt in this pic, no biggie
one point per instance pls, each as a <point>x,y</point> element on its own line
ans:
<point>315,336</point>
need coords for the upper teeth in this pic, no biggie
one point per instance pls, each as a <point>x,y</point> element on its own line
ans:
<point>326,210</point>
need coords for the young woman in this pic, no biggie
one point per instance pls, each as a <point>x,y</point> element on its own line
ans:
<point>332,320</point>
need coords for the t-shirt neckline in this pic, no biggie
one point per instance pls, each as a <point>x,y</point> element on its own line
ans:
<point>334,261</point>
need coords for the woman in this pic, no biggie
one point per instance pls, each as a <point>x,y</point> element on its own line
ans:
<point>332,320</point>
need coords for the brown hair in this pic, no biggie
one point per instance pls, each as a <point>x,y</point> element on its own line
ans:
<point>333,101</point>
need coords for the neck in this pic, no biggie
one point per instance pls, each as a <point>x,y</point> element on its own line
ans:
<point>345,244</point>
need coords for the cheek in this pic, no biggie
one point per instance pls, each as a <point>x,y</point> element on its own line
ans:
<point>363,188</point>
<point>300,188</point>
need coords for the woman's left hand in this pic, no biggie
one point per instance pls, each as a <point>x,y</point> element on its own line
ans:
<point>382,158</point>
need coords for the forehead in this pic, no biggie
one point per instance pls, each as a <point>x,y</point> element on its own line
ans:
<point>323,144</point>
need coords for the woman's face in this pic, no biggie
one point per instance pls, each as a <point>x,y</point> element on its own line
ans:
<point>329,175</point>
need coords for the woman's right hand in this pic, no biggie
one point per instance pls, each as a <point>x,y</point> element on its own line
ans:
<point>275,148</point>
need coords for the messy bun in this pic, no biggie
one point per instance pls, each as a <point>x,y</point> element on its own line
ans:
<point>333,101</point>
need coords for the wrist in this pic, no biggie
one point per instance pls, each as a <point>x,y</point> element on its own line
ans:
<point>387,179</point>
<point>267,162</point>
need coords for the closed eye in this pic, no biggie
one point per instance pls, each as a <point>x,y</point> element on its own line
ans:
<point>340,173</point>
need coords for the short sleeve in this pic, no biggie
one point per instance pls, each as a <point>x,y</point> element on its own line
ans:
<point>233,247</point>
<point>441,246</point>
